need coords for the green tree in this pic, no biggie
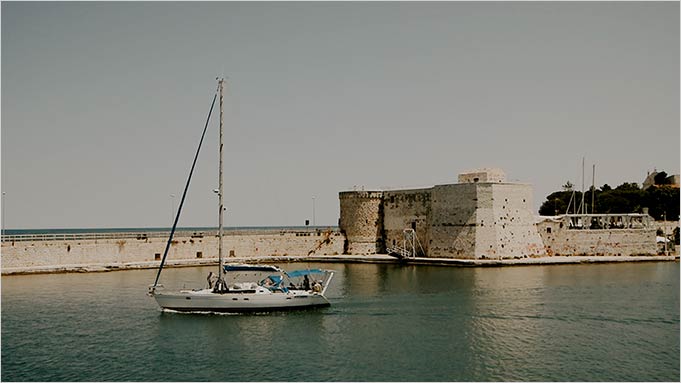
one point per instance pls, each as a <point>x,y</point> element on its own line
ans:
<point>661,201</point>
<point>661,179</point>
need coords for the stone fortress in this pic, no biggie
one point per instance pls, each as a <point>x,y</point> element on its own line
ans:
<point>483,217</point>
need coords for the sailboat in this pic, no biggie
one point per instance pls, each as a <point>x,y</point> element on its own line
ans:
<point>241,287</point>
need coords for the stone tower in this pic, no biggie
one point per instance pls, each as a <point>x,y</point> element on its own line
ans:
<point>361,220</point>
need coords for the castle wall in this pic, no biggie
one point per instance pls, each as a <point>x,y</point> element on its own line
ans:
<point>361,220</point>
<point>511,232</point>
<point>404,209</point>
<point>453,221</point>
<point>483,220</point>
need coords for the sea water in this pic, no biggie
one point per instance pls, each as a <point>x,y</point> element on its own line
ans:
<point>599,322</point>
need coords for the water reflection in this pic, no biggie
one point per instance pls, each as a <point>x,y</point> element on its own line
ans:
<point>538,323</point>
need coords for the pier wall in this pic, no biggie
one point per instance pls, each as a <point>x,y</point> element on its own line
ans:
<point>18,255</point>
<point>560,240</point>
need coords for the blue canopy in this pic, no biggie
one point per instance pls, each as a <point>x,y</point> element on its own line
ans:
<point>300,273</point>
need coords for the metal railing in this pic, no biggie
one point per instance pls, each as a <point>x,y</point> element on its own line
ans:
<point>158,234</point>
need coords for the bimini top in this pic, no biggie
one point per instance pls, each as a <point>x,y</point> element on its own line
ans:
<point>245,267</point>
<point>300,273</point>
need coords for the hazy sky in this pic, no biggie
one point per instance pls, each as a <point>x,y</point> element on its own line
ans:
<point>103,103</point>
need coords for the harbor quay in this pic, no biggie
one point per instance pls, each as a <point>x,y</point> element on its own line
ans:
<point>100,252</point>
<point>139,250</point>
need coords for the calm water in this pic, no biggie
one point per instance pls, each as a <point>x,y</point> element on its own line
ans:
<point>614,322</point>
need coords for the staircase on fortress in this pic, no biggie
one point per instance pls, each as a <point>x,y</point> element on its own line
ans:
<point>324,241</point>
<point>399,252</point>
<point>408,250</point>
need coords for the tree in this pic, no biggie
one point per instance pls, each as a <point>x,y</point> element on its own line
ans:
<point>628,186</point>
<point>661,179</point>
<point>661,201</point>
<point>556,203</point>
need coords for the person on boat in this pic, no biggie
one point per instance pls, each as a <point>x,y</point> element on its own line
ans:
<point>306,283</point>
<point>212,278</point>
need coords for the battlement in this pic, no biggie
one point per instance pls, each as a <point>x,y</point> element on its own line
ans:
<point>361,194</point>
<point>483,175</point>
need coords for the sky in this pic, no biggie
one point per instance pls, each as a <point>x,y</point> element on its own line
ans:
<point>103,104</point>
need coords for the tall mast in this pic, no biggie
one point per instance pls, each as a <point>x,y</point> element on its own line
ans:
<point>220,192</point>
<point>593,189</point>
<point>581,206</point>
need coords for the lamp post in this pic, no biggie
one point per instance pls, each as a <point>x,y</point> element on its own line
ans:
<point>313,217</point>
<point>664,231</point>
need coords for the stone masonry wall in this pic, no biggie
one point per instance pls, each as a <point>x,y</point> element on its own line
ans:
<point>483,220</point>
<point>511,232</point>
<point>404,209</point>
<point>25,254</point>
<point>559,240</point>
<point>361,220</point>
<point>453,221</point>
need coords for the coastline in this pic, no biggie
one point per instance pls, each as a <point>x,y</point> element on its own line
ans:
<point>377,258</point>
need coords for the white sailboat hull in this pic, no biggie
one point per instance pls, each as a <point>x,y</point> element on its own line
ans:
<point>207,301</point>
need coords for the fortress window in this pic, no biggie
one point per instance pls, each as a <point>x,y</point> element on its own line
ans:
<point>199,254</point>
<point>548,230</point>
<point>157,256</point>
<point>476,179</point>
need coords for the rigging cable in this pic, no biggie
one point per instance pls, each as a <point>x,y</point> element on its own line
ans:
<point>184,194</point>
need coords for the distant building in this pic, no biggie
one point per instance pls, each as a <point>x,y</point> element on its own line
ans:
<point>672,180</point>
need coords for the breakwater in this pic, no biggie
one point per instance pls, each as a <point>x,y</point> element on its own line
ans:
<point>120,250</point>
<point>71,251</point>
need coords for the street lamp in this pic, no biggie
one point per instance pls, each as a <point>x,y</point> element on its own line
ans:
<point>313,215</point>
